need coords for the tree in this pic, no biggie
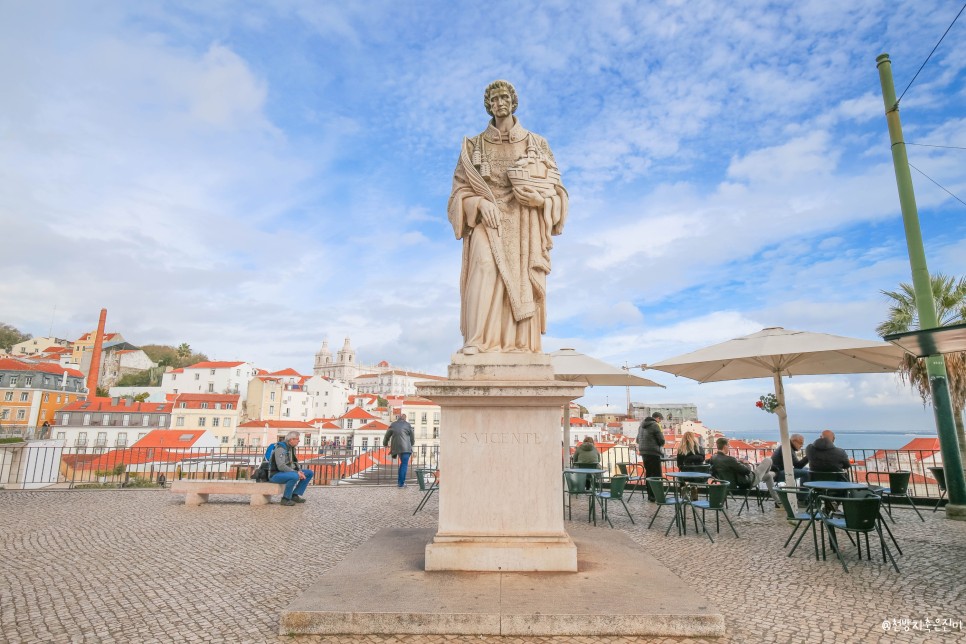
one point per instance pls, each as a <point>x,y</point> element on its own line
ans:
<point>950,297</point>
<point>10,336</point>
<point>176,358</point>
<point>184,350</point>
<point>141,397</point>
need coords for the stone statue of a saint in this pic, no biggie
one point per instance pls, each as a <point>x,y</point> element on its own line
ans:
<point>507,201</point>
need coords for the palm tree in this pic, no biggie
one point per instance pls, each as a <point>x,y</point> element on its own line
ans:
<point>950,297</point>
<point>184,350</point>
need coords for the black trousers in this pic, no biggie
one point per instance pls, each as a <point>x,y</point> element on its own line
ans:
<point>652,468</point>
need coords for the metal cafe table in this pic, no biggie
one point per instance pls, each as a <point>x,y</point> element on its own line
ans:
<point>813,510</point>
<point>596,484</point>
<point>684,480</point>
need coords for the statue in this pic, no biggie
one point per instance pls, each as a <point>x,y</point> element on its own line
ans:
<point>507,202</point>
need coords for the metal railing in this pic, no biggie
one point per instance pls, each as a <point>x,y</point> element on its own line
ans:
<point>24,465</point>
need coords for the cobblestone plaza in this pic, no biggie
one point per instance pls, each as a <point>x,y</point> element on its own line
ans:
<point>140,566</point>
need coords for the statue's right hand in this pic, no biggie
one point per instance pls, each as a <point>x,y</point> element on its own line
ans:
<point>489,214</point>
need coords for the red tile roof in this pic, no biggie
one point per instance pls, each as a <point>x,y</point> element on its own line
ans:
<point>358,413</point>
<point>214,365</point>
<point>286,372</point>
<point>195,401</point>
<point>13,364</point>
<point>376,424</point>
<point>170,438</point>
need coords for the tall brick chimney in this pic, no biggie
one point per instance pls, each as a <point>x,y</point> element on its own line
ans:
<point>95,369</point>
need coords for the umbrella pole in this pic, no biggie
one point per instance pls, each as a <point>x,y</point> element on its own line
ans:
<point>783,432</point>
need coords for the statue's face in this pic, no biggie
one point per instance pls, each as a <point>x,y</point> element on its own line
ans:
<point>501,103</point>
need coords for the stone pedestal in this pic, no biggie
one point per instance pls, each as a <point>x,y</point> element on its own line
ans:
<point>500,495</point>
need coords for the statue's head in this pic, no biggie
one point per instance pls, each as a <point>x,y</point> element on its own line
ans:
<point>497,86</point>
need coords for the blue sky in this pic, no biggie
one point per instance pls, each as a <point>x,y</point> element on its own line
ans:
<point>252,179</point>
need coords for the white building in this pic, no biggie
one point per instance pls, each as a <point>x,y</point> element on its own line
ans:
<point>210,378</point>
<point>328,398</point>
<point>277,396</point>
<point>393,382</point>
<point>34,346</point>
<point>106,423</point>
<point>217,414</point>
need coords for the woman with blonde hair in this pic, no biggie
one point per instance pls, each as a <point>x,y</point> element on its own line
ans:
<point>690,451</point>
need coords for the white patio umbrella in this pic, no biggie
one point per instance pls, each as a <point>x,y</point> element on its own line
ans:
<point>572,366</point>
<point>776,352</point>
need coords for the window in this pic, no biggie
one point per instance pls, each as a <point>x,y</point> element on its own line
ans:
<point>61,436</point>
<point>197,376</point>
<point>145,420</point>
<point>271,410</point>
<point>211,387</point>
<point>8,396</point>
<point>236,389</point>
<point>87,419</point>
<point>183,405</point>
<point>214,421</point>
<point>217,405</point>
<point>365,444</point>
<point>106,419</point>
<point>13,381</point>
<point>422,418</point>
<point>348,423</point>
<point>204,405</point>
<point>58,398</point>
<point>126,419</point>
<point>227,422</point>
<point>174,376</point>
<point>224,440</point>
<point>237,372</point>
<point>82,438</point>
<point>179,421</point>
<point>212,372</point>
<point>65,419</point>
<point>5,414</point>
<point>46,397</point>
<point>271,396</point>
<point>201,421</point>
<point>21,414</point>
<point>24,396</point>
<point>101,439</point>
<point>28,381</point>
<point>229,406</point>
<point>239,442</point>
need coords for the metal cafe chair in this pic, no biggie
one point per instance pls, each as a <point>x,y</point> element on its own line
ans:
<point>428,480</point>
<point>785,494</point>
<point>576,484</point>
<point>861,516</point>
<point>898,488</point>
<point>637,479</point>
<point>939,474</point>
<point>664,495</point>
<point>717,491</point>
<point>615,493</point>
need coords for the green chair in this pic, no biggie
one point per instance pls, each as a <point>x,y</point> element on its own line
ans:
<point>428,480</point>
<point>861,516</point>
<point>717,491</point>
<point>939,474</point>
<point>576,484</point>
<point>615,493</point>
<point>636,480</point>
<point>736,489</point>
<point>664,496</point>
<point>898,488</point>
<point>795,517</point>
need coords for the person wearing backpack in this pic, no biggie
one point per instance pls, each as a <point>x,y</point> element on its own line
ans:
<point>284,468</point>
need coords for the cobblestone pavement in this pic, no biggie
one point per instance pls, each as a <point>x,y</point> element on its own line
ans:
<point>139,566</point>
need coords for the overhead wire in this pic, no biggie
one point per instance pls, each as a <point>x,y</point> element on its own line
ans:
<point>937,183</point>
<point>929,145</point>
<point>896,106</point>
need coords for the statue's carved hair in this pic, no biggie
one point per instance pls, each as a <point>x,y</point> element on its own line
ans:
<point>499,84</point>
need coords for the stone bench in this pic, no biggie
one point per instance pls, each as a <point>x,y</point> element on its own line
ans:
<point>196,491</point>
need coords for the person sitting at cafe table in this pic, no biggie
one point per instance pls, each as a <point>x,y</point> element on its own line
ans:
<point>824,456</point>
<point>690,451</point>
<point>778,462</point>
<point>740,473</point>
<point>586,454</point>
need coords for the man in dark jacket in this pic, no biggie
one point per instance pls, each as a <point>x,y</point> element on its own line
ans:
<point>400,438</point>
<point>285,469</point>
<point>824,456</point>
<point>740,473</point>
<point>650,446</point>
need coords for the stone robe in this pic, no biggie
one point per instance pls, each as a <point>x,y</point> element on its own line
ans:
<point>504,273</point>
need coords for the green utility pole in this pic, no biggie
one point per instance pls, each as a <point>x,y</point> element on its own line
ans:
<point>935,364</point>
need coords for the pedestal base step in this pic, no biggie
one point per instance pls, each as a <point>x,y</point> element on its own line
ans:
<point>619,589</point>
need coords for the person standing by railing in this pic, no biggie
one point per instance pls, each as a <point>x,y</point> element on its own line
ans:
<point>650,447</point>
<point>400,438</point>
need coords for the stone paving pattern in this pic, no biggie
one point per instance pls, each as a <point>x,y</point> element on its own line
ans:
<point>140,566</point>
